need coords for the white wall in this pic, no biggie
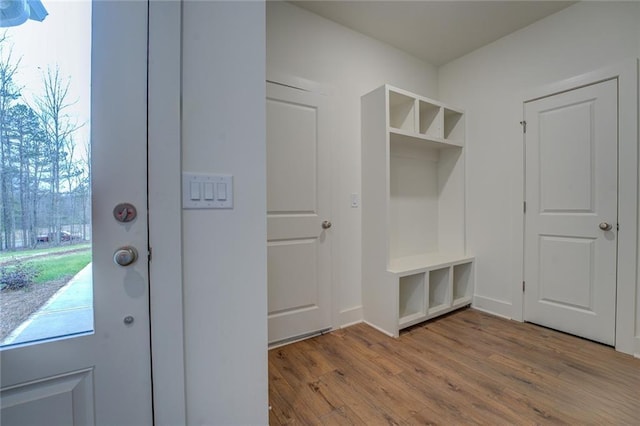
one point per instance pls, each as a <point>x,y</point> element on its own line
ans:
<point>224,251</point>
<point>489,83</point>
<point>223,121</point>
<point>349,64</point>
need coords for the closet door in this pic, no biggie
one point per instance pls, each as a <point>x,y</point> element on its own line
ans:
<point>571,218</point>
<point>298,213</point>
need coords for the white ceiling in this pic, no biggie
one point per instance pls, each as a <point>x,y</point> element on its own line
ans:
<point>435,31</point>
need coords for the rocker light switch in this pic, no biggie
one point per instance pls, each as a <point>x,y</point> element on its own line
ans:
<point>222,191</point>
<point>207,191</point>
<point>195,190</point>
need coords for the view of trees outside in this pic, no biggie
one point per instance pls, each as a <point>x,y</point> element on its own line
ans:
<point>44,185</point>
<point>45,168</point>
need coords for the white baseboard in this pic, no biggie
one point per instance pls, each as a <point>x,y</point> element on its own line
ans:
<point>379,329</point>
<point>636,353</point>
<point>492,306</point>
<point>351,316</point>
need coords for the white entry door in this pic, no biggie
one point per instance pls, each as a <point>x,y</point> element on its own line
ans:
<point>298,213</point>
<point>101,376</point>
<point>571,211</point>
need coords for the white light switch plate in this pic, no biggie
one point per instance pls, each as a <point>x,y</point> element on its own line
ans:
<point>201,185</point>
<point>355,200</point>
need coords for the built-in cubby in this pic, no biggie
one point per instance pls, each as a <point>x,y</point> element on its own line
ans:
<point>402,112</point>
<point>462,282</point>
<point>415,264</point>
<point>430,119</point>
<point>439,290</point>
<point>412,296</point>
<point>453,125</point>
<point>423,293</point>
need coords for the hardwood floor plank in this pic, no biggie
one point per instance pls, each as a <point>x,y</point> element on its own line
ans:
<point>468,367</point>
<point>342,416</point>
<point>301,385</point>
<point>475,363</point>
<point>363,404</point>
<point>585,377</point>
<point>516,385</point>
<point>429,371</point>
<point>373,381</point>
<point>302,405</point>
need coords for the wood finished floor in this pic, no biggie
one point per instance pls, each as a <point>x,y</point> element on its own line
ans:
<point>466,368</point>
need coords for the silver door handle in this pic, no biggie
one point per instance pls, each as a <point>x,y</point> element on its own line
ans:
<point>605,226</point>
<point>125,256</point>
<point>326,224</point>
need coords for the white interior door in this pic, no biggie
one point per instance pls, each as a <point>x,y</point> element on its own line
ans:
<point>298,213</point>
<point>101,376</point>
<point>571,211</point>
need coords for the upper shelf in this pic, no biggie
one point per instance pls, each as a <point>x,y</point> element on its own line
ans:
<point>424,119</point>
<point>402,136</point>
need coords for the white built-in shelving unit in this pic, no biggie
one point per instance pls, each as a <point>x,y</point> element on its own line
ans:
<point>414,260</point>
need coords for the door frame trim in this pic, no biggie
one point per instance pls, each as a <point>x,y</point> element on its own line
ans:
<point>297,82</point>
<point>165,211</point>
<point>626,73</point>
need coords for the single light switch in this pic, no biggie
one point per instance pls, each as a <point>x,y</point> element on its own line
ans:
<point>355,200</point>
<point>222,191</point>
<point>195,190</point>
<point>208,191</point>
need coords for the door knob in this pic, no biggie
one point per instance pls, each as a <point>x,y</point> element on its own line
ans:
<point>605,226</point>
<point>326,224</point>
<point>125,256</point>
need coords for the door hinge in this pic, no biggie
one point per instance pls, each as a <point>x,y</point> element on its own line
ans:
<point>149,251</point>
<point>524,206</point>
<point>524,126</point>
<point>523,286</point>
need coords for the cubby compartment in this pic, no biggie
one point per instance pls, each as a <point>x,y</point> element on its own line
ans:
<point>462,283</point>
<point>439,289</point>
<point>412,297</point>
<point>430,118</point>
<point>402,112</point>
<point>453,125</point>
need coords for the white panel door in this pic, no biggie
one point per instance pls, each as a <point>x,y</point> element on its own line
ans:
<point>102,376</point>
<point>298,214</point>
<point>571,194</point>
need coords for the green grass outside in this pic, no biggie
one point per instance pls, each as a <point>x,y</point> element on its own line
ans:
<point>58,267</point>
<point>7,255</point>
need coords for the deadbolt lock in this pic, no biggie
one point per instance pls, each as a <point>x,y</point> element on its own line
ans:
<point>125,212</point>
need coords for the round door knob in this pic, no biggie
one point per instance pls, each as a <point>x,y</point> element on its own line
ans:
<point>125,256</point>
<point>326,224</point>
<point>605,226</point>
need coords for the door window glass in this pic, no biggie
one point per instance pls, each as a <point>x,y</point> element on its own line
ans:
<point>45,170</point>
